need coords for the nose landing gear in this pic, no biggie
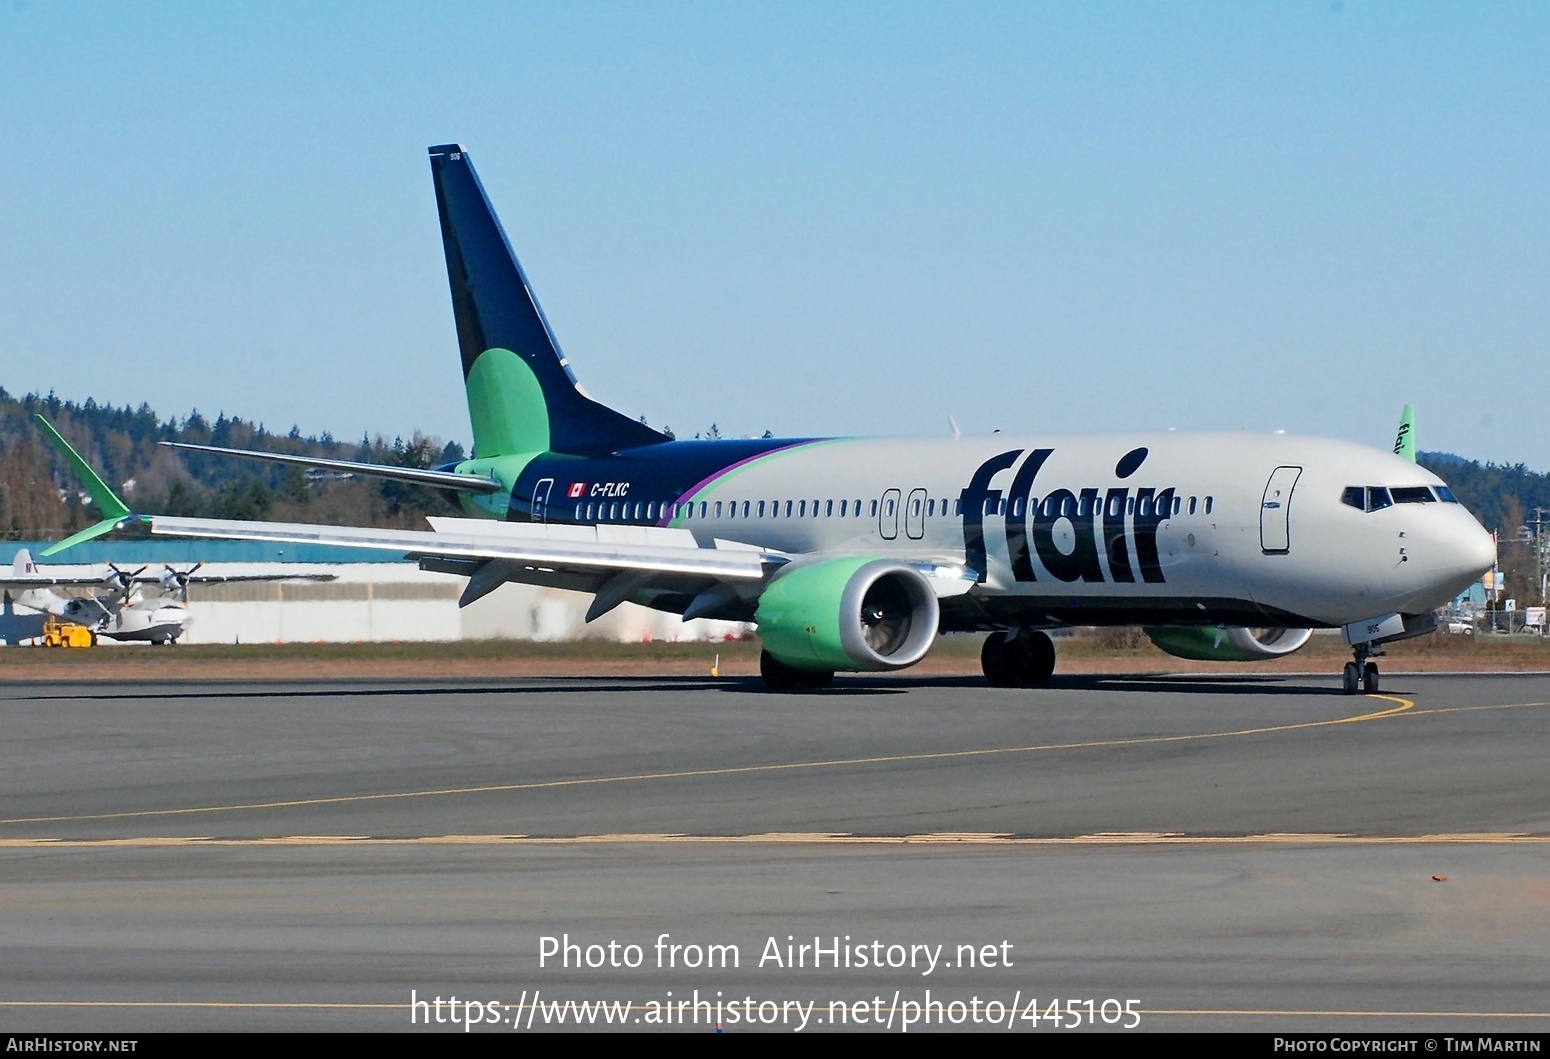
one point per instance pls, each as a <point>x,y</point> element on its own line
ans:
<point>1362,675</point>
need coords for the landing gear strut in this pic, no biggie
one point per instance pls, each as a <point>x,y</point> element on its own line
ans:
<point>1362,675</point>
<point>1025,658</point>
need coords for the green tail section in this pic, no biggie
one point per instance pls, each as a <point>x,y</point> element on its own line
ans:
<point>115,512</point>
<point>1404,441</point>
<point>506,406</point>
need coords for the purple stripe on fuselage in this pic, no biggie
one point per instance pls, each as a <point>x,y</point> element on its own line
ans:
<point>729,468</point>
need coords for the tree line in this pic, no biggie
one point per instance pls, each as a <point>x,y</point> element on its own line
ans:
<point>40,498</point>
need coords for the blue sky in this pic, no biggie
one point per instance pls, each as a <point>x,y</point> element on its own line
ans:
<point>808,218</point>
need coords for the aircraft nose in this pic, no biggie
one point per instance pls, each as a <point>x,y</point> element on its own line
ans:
<point>1470,554</point>
<point>1446,554</point>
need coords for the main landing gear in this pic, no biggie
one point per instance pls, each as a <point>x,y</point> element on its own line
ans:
<point>780,677</point>
<point>1362,675</point>
<point>1024,658</point>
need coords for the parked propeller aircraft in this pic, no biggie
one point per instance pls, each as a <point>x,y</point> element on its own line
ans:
<point>123,605</point>
<point>854,553</point>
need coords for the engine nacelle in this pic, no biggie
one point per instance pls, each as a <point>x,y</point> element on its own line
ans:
<point>860,613</point>
<point>1216,643</point>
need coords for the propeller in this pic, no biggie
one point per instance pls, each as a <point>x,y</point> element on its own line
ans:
<point>177,580</point>
<point>123,583</point>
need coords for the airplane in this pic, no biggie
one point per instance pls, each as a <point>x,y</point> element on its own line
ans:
<point>854,554</point>
<point>127,606</point>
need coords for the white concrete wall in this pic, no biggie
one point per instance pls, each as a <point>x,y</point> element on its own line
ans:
<point>384,602</point>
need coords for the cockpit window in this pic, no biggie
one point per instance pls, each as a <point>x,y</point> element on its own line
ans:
<point>1413,494</point>
<point>1367,498</point>
<point>1446,495</point>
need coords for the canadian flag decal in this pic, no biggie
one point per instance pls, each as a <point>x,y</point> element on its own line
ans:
<point>577,489</point>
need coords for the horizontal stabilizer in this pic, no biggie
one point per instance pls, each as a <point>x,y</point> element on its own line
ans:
<point>466,483</point>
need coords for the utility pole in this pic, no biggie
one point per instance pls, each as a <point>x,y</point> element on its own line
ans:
<point>1541,551</point>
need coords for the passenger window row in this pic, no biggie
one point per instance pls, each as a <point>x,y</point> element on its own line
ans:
<point>1069,507</point>
<point>651,511</point>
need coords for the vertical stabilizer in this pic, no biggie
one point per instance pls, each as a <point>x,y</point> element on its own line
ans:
<point>1404,440</point>
<point>522,397</point>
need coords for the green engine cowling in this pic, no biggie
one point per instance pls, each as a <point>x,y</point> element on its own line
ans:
<point>1217,643</point>
<point>860,613</point>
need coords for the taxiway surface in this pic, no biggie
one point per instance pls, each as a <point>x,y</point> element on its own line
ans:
<point>1258,853</point>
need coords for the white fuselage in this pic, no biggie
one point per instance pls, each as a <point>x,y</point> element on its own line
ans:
<point>1062,519</point>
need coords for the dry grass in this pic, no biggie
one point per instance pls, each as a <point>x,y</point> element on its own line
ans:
<point>1097,651</point>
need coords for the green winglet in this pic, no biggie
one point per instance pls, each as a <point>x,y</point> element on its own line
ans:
<point>107,525</point>
<point>1404,441</point>
<point>115,511</point>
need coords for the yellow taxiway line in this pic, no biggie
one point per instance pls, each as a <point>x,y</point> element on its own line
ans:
<point>1402,705</point>
<point>796,838</point>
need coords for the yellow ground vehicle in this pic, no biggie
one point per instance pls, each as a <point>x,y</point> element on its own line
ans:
<point>58,633</point>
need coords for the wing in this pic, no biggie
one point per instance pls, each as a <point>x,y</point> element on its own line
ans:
<point>226,579</point>
<point>666,567</point>
<point>53,581</point>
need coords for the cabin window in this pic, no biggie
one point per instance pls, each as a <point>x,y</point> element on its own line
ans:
<point>761,509</point>
<point>788,508</point>
<point>801,509</point>
<point>931,507</point>
<point>703,507</point>
<point>828,509</point>
<point>1208,505</point>
<point>1178,502</point>
<point>1191,505</point>
<point>1130,505</point>
<point>613,512</point>
<point>746,506</point>
<point>856,507</point>
<point>874,509</point>
<point>842,508</point>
